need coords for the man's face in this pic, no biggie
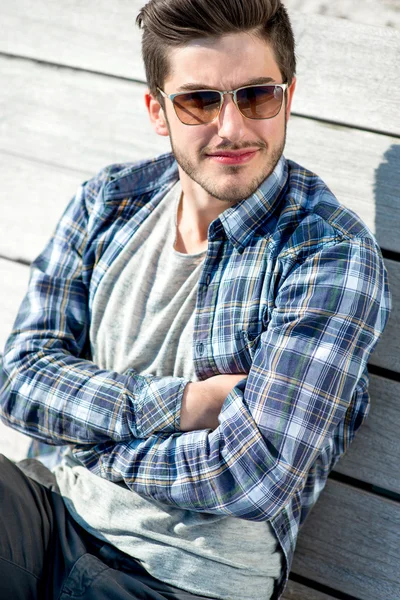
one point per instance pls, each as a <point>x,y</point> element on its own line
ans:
<point>230,157</point>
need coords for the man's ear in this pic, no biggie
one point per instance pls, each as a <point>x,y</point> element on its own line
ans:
<point>290,93</point>
<point>156,114</point>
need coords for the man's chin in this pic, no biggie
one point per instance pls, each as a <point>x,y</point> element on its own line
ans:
<point>231,193</point>
<point>234,187</point>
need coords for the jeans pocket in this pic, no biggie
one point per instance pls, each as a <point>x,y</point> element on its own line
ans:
<point>81,578</point>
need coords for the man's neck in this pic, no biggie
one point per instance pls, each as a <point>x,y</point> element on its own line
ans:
<point>196,210</point>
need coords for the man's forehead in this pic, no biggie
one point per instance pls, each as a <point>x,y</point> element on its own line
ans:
<point>232,60</point>
<point>234,43</point>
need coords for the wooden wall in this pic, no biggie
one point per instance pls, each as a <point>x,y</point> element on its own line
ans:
<point>72,88</point>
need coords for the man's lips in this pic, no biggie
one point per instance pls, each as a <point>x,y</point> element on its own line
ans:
<point>233,157</point>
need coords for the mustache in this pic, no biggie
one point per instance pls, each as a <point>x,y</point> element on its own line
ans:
<point>226,146</point>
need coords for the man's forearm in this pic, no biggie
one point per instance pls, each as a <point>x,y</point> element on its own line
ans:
<point>71,400</point>
<point>202,401</point>
<point>60,399</point>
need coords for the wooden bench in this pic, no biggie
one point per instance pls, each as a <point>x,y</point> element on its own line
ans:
<point>72,86</point>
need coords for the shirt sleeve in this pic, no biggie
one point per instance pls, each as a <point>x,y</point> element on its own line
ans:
<point>328,315</point>
<point>50,390</point>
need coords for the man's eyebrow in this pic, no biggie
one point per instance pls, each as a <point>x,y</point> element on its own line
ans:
<point>188,87</point>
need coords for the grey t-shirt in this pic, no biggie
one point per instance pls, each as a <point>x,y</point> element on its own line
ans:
<point>142,318</point>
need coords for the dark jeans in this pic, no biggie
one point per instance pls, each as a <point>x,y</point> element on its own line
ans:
<point>46,555</point>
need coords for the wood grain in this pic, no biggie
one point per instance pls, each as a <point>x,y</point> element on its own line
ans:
<point>13,444</point>
<point>374,455</point>
<point>33,196</point>
<point>351,543</point>
<point>297,591</point>
<point>380,13</point>
<point>95,35</point>
<point>387,352</point>
<point>331,56</point>
<point>329,50</point>
<point>14,283</point>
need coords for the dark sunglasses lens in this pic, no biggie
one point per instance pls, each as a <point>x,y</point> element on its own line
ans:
<point>260,102</point>
<point>197,108</point>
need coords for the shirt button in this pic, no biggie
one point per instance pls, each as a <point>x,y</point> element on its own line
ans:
<point>200,349</point>
<point>208,280</point>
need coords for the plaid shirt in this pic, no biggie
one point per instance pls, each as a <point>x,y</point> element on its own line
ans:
<point>293,292</point>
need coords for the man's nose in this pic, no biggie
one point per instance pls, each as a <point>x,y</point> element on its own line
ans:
<point>230,120</point>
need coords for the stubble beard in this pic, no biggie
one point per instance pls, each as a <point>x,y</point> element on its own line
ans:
<point>232,193</point>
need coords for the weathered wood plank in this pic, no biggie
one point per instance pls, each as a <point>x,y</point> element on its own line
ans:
<point>351,543</point>
<point>33,196</point>
<point>329,53</point>
<point>380,13</point>
<point>95,35</point>
<point>72,119</point>
<point>13,444</point>
<point>374,455</point>
<point>14,282</point>
<point>53,140</point>
<point>296,591</point>
<point>387,353</point>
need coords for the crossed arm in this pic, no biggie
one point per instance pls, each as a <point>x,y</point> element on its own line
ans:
<point>228,445</point>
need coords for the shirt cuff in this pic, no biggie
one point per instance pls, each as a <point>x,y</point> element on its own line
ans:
<point>158,404</point>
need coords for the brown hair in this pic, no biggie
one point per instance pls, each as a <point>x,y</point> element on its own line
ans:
<point>173,23</point>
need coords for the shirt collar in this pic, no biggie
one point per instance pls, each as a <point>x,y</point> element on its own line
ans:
<point>241,221</point>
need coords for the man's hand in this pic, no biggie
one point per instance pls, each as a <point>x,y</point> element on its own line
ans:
<point>202,401</point>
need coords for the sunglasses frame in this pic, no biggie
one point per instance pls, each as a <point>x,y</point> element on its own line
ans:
<point>233,93</point>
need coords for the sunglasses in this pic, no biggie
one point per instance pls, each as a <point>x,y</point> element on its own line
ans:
<point>203,106</point>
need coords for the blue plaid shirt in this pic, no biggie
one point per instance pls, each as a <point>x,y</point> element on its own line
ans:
<point>293,292</point>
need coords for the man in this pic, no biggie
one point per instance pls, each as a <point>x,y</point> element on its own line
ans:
<point>196,335</point>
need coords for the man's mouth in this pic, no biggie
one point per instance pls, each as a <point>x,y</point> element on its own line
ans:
<point>233,157</point>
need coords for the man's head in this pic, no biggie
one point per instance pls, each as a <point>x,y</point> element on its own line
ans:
<point>196,45</point>
<point>169,24</point>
